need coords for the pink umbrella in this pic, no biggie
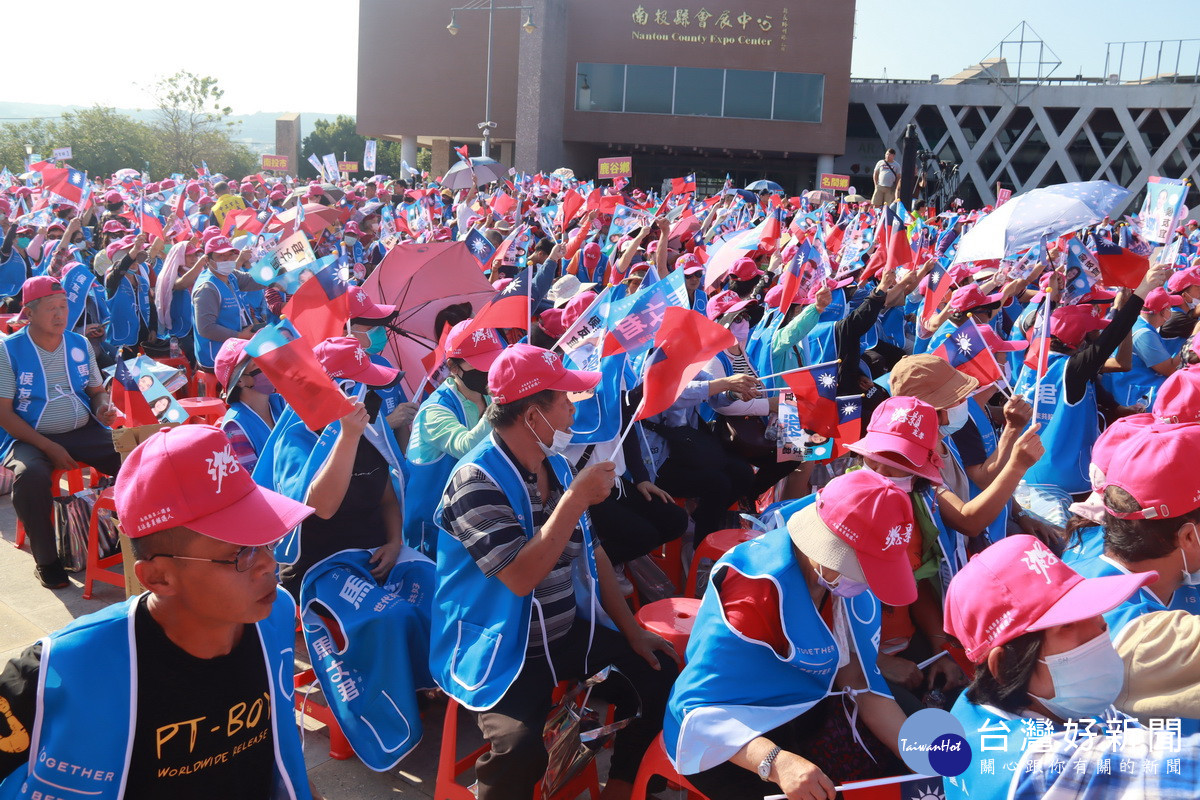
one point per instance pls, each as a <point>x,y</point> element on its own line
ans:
<point>316,218</point>
<point>421,280</point>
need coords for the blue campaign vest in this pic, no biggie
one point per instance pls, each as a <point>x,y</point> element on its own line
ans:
<point>254,426</point>
<point>391,396</point>
<point>128,309</point>
<point>99,650</point>
<point>951,544</point>
<point>820,345</point>
<point>1068,431</point>
<point>371,683</point>
<point>480,628</point>
<point>890,327</point>
<point>733,689</point>
<point>79,283</point>
<point>230,316</point>
<point>758,344</point>
<point>992,734</point>
<point>181,314</point>
<point>427,480</point>
<point>1140,382</point>
<point>32,391</point>
<point>12,274</point>
<point>700,302</point>
<point>292,456</point>
<point>704,410</point>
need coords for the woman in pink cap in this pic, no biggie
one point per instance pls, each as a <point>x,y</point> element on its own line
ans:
<point>1038,716</point>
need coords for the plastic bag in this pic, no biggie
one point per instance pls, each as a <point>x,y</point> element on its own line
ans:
<point>651,582</point>
<point>72,517</point>
<point>574,735</point>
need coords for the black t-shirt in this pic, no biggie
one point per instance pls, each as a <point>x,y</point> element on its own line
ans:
<point>203,724</point>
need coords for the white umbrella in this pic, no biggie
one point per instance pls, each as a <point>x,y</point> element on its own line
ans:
<point>485,170</point>
<point>1024,220</point>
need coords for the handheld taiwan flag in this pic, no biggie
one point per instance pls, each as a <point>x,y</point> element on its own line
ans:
<point>899,250</point>
<point>789,286</point>
<point>684,184</point>
<point>65,182</point>
<point>815,388</point>
<point>128,397</point>
<point>937,286</point>
<point>849,430</point>
<point>1120,266</point>
<point>463,153</point>
<point>320,308</point>
<point>509,308</point>
<point>148,222</point>
<point>683,344</point>
<point>289,362</point>
<point>967,351</point>
<point>480,247</point>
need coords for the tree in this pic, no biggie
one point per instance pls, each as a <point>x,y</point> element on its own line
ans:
<point>103,141</point>
<point>41,134</point>
<point>337,137</point>
<point>189,115</point>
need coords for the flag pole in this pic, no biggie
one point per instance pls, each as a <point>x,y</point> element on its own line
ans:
<point>1037,385</point>
<point>798,369</point>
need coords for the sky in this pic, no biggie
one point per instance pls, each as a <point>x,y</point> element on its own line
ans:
<point>151,38</point>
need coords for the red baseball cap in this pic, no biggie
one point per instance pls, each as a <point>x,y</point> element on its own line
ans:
<point>124,243</point>
<point>189,476</point>
<point>1018,585</point>
<point>218,244</point>
<point>1178,399</point>
<point>575,307</point>
<point>1158,301</point>
<point>344,357</point>
<point>773,297</point>
<point>591,254</point>
<point>39,286</point>
<point>1155,468</point>
<point>861,525</point>
<point>744,269</point>
<point>551,321</point>
<point>522,370</point>
<point>112,226</point>
<point>908,428</point>
<point>231,358</point>
<point>480,348</point>
<point>997,344</point>
<point>1112,438</point>
<point>363,309</point>
<point>1071,323</point>
<point>727,302</point>
<point>971,296</point>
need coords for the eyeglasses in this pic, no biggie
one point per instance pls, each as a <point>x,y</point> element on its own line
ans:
<point>242,561</point>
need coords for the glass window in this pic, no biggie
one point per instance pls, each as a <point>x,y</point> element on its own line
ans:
<point>748,94</point>
<point>599,87</point>
<point>698,91</point>
<point>799,96</point>
<point>648,89</point>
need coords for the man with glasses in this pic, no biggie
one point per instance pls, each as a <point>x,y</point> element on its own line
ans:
<point>190,682</point>
<point>53,411</point>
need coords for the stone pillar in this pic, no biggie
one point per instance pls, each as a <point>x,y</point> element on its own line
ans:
<point>824,164</point>
<point>505,155</point>
<point>408,150</point>
<point>541,88</point>
<point>287,139</point>
<point>441,158</point>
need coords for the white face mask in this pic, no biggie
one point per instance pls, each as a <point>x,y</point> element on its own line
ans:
<point>1086,679</point>
<point>905,482</point>
<point>560,442</point>
<point>1189,578</point>
<point>957,417</point>
<point>223,267</point>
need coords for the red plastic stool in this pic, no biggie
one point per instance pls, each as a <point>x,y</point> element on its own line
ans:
<point>715,545</point>
<point>447,787</point>
<point>339,746</point>
<point>203,384</point>
<point>671,619</point>
<point>207,410</point>
<point>74,484</point>
<point>97,568</point>
<point>655,762</point>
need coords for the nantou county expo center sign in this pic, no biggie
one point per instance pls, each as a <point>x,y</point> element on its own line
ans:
<point>723,27</point>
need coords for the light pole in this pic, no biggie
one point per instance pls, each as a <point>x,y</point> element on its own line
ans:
<point>487,126</point>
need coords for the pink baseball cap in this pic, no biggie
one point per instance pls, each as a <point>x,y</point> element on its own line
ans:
<point>1071,323</point>
<point>231,358</point>
<point>576,306</point>
<point>1112,438</point>
<point>480,348</point>
<point>591,254</point>
<point>112,226</point>
<point>315,190</point>
<point>364,309</point>
<point>997,344</point>
<point>744,269</point>
<point>522,370</point>
<point>39,286</point>
<point>551,321</point>
<point>124,243</point>
<point>189,476</point>
<point>1158,301</point>
<point>861,525</point>
<point>344,357</point>
<point>907,428</point>
<point>1139,465</point>
<point>1017,586</point>
<point>113,196</point>
<point>727,302</point>
<point>218,244</point>
<point>1178,398</point>
<point>774,296</point>
<point>352,229</point>
<point>1183,279</point>
<point>971,296</point>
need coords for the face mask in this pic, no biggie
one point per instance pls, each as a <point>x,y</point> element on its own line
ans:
<point>223,267</point>
<point>957,417</point>
<point>262,384</point>
<point>1086,680</point>
<point>1189,578</point>
<point>476,381</point>
<point>740,331</point>
<point>905,482</point>
<point>560,442</point>
<point>350,240</point>
<point>843,587</point>
<point>23,242</point>
<point>376,340</point>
